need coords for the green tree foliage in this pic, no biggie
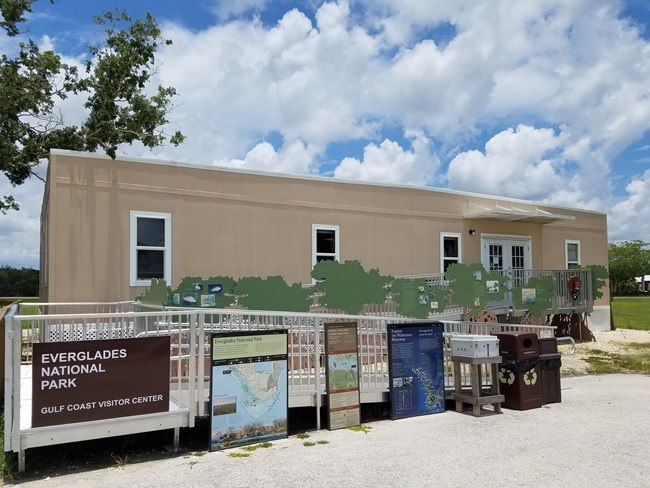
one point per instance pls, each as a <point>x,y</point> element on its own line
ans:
<point>13,13</point>
<point>16,282</point>
<point>272,293</point>
<point>116,85</point>
<point>627,260</point>
<point>347,286</point>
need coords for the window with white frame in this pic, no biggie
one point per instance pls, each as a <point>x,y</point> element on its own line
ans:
<point>324,243</point>
<point>150,246</point>
<point>449,250</point>
<point>572,253</point>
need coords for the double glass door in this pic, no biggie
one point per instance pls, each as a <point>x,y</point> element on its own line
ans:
<point>507,254</point>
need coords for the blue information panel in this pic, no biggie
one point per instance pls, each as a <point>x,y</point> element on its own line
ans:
<point>417,384</point>
<point>249,395</point>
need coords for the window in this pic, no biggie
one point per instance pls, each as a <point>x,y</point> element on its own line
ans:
<point>324,243</point>
<point>572,254</point>
<point>150,247</point>
<point>449,250</point>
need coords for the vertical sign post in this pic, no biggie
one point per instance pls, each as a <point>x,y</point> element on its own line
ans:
<point>248,389</point>
<point>416,376</point>
<point>341,351</point>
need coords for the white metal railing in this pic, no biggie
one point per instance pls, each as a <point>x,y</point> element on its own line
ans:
<point>190,363</point>
<point>562,300</point>
<point>19,435</point>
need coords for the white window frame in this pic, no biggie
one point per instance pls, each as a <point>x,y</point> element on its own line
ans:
<point>442,248</point>
<point>337,232</point>
<point>133,247</point>
<point>566,253</point>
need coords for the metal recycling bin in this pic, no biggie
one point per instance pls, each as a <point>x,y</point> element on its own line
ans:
<point>519,374</point>
<point>549,367</point>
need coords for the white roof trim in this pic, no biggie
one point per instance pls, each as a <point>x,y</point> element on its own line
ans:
<point>518,215</point>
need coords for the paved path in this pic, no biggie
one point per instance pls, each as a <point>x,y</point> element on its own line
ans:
<point>598,436</point>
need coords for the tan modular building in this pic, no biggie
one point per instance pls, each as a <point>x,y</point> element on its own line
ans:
<point>109,226</point>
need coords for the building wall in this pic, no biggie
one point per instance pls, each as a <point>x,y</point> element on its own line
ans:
<point>247,224</point>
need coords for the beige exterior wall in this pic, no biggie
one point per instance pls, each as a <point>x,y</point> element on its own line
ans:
<point>249,224</point>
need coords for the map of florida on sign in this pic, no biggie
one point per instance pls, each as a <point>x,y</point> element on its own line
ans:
<point>249,396</point>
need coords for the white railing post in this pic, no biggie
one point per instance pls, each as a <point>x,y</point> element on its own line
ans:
<point>200,354</point>
<point>193,390</point>
<point>9,380</point>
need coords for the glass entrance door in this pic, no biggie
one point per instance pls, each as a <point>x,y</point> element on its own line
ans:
<point>508,255</point>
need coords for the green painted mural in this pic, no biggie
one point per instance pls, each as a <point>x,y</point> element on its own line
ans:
<point>193,291</point>
<point>413,297</point>
<point>269,293</point>
<point>599,275</point>
<point>473,287</point>
<point>157,294</point>
<point>348,287</point>
<point>536,296</point>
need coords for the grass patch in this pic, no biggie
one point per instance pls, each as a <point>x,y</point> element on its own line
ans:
<point>255,447</point>
<point>309,444</point>
<point>303,435</point>
<point>239,454</point>
<point>635,359</point>
<point>322,442</point>
<point>631,312</point>
<point>5,470</point>
<point>360,428</point>
<point>199,453</point>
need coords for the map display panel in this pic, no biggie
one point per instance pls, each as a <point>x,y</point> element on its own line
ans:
<point>416,374</point>
<point>249,393</point>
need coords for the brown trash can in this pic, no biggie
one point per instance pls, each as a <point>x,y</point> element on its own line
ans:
<point>518,345</point>
<point>547,345</point>
<point>519,374</point>
<point>550,363</point>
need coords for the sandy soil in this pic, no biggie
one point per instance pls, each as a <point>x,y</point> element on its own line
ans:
<point>614,341</point>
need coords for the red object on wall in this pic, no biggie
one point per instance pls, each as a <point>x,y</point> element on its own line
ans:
<point>574,285</point>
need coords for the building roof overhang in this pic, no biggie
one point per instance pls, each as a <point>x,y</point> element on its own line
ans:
<point>513,214</point>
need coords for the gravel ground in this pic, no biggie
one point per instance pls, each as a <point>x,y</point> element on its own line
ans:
<point>593,438</point>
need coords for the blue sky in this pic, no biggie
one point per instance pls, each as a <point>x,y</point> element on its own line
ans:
<point>544,100</point>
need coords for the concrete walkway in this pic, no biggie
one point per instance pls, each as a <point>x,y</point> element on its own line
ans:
<point>598,436</point>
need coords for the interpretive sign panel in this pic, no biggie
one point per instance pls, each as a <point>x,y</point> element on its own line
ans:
<point>248,394</point>
<point>93,380</point>
<point>416,375</point>
<point>341,351</point>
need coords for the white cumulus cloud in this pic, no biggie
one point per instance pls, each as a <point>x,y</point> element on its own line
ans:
<point>628,219</point>
<point>517,163</point>
<point>389,162</point>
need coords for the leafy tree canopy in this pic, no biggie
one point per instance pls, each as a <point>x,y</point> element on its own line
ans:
<point>627,260</point>
<point>16,282</point>
<point>115,82</point>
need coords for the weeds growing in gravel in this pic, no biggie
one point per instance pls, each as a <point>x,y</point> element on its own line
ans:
<point>635,358</point>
